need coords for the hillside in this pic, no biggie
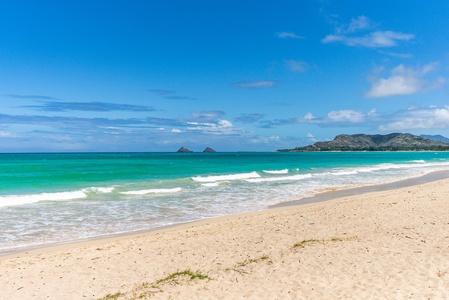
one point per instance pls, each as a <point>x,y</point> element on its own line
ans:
<point>438,137</point>
<point>364,142</point>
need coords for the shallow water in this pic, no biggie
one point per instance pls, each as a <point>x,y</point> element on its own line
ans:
<point>55,198</point>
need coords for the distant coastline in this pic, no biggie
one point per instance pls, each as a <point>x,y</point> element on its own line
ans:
<point>364,142</point>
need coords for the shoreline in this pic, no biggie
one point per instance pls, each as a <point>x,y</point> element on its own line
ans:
<point>340,193</point>
<point>381,244</point>
<point>317,198</point>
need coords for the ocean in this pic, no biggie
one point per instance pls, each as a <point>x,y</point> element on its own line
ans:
<point>59,198</point>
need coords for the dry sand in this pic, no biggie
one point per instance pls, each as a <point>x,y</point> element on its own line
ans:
<point>381,245</point>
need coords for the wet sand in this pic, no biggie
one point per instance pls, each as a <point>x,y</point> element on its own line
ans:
<point>381,244</point>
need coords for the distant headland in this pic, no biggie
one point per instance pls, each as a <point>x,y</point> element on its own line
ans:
<point>378,142</point>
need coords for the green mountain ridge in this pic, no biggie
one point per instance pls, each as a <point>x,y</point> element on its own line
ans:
<point>378,142</point>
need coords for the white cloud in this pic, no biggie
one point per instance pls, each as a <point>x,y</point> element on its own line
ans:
<point>405,120</point>
<point>265,140</point>
<point>345,117</point>
<point>309,116</point>
<point>427,118</point>
<point>350,116</point>
<point>373,113</point>
<point>357,24</point>
<point>311,137</point>
<point>4,134</point>
<point>224,123</point>
<point>198,124</point>
<point>220,127</point>
<point>296,66</point>
<point>175,130</point>
<point>402,81</point>
<point>207,114</point>
<point>377,39</point>
<point>287,34</point>
<point>255,84</point>
<point>348,35</point>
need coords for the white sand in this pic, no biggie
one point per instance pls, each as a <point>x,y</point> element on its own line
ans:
<point>383,245</point>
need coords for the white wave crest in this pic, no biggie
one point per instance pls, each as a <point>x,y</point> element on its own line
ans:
<point>342,173</point>
<point>283,178</point>
<point>241,176</point>
<point>211,184</point>
<point>416,164</point>
<point>152,191</point>
<point>100,190</point>
<point>419,161</point>
<point>13,200</point>
<point>284,171</point>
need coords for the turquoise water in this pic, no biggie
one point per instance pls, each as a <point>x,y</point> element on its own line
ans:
<point>55,198</point>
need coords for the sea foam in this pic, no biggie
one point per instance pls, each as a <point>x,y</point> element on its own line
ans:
<point>153,191</point>
<point>229,177</point>
<point>12,200</point>
<point>284,171</point>
<point>282,178</point>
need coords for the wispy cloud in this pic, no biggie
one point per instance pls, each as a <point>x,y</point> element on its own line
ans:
<point>170,94</point>
<point>396,55</point>
<point>296,66</point>
<point>288,35</point>
<point>342,118</point>
<point>35,97</point>
<point>377,39</point>
<point>222,127</point>
<point>207,115</point>
<point>164,122</point>
<point>174,97</point>
<point>403,81</point>
<point>350,35</point>
<point>249,118</point>
<point>255,84</point>
<point>432,117</point>
<point>357,24</point>
<point>311,137</point>
<point>66,122</point>
<point>214,123</point>
<point>204,122</point>
<point>6,134</point>
<point>345,116</point>
<point>162,92</point>
<point>56,133</point>
<point>418,118</point>
<point>58,106</point>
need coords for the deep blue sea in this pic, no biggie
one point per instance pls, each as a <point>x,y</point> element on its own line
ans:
<point>59,198</point>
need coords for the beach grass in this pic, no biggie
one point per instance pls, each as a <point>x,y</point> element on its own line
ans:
<point>254,260</point>
<point>303,243</point>
<point>174,277</point>
<point>146,289</point>
<point>113,296</point>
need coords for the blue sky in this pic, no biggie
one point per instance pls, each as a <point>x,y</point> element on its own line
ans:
<point>231,75</point>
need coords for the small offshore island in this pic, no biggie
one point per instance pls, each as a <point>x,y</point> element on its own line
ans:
<point>378,142</point>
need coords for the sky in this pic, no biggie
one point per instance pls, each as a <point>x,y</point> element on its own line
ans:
<point>157,75</point>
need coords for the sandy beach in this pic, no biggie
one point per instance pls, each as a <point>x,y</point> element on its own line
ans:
<point>378,245</point>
